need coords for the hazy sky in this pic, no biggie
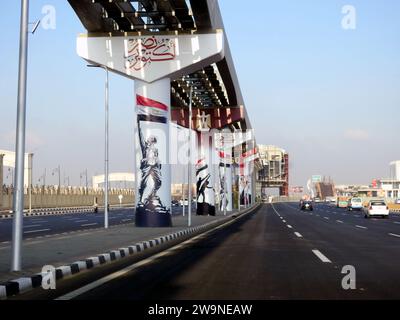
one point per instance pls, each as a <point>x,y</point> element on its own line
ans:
<point>329,96</point>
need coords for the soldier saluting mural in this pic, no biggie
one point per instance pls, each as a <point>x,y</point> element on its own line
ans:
<point>152,208</point>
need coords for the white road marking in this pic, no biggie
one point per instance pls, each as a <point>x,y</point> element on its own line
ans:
<point>396,222</point>
<point>394,235</point>
<point>126,220</point>
<point>33,231</point>
<point>289,226</point>
<point>32,225</point>
<point>326,218</point>
<point>361,227</point>
<point>80,221</point>
<point>298,235</point>
<point>284,221</point>
<point>89,224</point>
<point>321,256</point>
<point>339,221</point>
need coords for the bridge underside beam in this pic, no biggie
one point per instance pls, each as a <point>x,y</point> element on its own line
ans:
<point>218,117</point>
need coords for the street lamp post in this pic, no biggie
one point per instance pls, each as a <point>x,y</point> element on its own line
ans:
<point>58,170</point>
<point>18,199</point>
<point>86,178</point>
<point>106,143</point>
<point>189,162</point>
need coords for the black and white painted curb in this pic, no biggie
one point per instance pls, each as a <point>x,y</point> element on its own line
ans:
<point>52,211</point>
<point>22,285</point>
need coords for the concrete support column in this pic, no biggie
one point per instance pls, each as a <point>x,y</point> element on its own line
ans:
<point>153,172</point>
<point>205,176</point>
<point>225,172</point>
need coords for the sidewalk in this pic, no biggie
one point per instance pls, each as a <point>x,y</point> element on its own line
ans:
<point>63,250</point>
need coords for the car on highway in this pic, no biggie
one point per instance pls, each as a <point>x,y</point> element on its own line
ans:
<point>355,204</point>
<point>377,208</point>
<point>175,203</point>
<point>397,201</point>
<point>306,205</point>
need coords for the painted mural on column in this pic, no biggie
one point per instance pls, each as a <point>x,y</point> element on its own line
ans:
<point>152,203</point>
<point>244,186</point>
<point>205,189</point>
<point>224,178</point>
<point>246,167</point>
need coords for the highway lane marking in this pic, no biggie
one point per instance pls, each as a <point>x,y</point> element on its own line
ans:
<point>88,224</point>
<point>298,235</point>
<point>323,258</point>
<point>326,218</point>
<point>125,220</point>
<point>289,226</point>
<point>361,227</point>
<point>394,235</point>
<point>32,225</point>
<point>80,221</point>
<point>56,236</point>
<point>34,231</point>
<point>396,222</point>
<point>284,221</point>
<point>339,221</point>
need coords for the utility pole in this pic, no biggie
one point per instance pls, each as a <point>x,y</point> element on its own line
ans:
<point>190,159</point>
<point>18,199</point>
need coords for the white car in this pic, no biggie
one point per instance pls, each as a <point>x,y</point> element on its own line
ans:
<point>377,208</point>
<point>355,204</point>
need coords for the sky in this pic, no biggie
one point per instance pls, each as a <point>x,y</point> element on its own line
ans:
<point>327,95</point>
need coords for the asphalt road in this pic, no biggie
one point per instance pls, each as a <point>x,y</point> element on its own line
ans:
<point>39,226</point>
<point>278,252</point>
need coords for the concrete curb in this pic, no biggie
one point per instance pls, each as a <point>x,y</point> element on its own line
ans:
<point>60,211</point>
<point>51,212</point>
<point>22,285</point>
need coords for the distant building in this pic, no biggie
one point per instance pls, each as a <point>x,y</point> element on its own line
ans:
<point>395,170</point>
<point>274,172</point>
<point>124,180</point>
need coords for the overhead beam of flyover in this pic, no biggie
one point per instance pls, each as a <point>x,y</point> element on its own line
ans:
<point>167,47</point>
<point>119,18</point>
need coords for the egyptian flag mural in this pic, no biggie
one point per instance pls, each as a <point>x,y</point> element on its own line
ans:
<point>225,181</point>
<point>244,186</point>
<point>205,190</point>
<point>153,180</point>
<point>245,176</point>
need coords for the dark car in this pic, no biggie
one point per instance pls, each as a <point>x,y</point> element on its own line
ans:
<point>306,205</point>
<point>175,203</point>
